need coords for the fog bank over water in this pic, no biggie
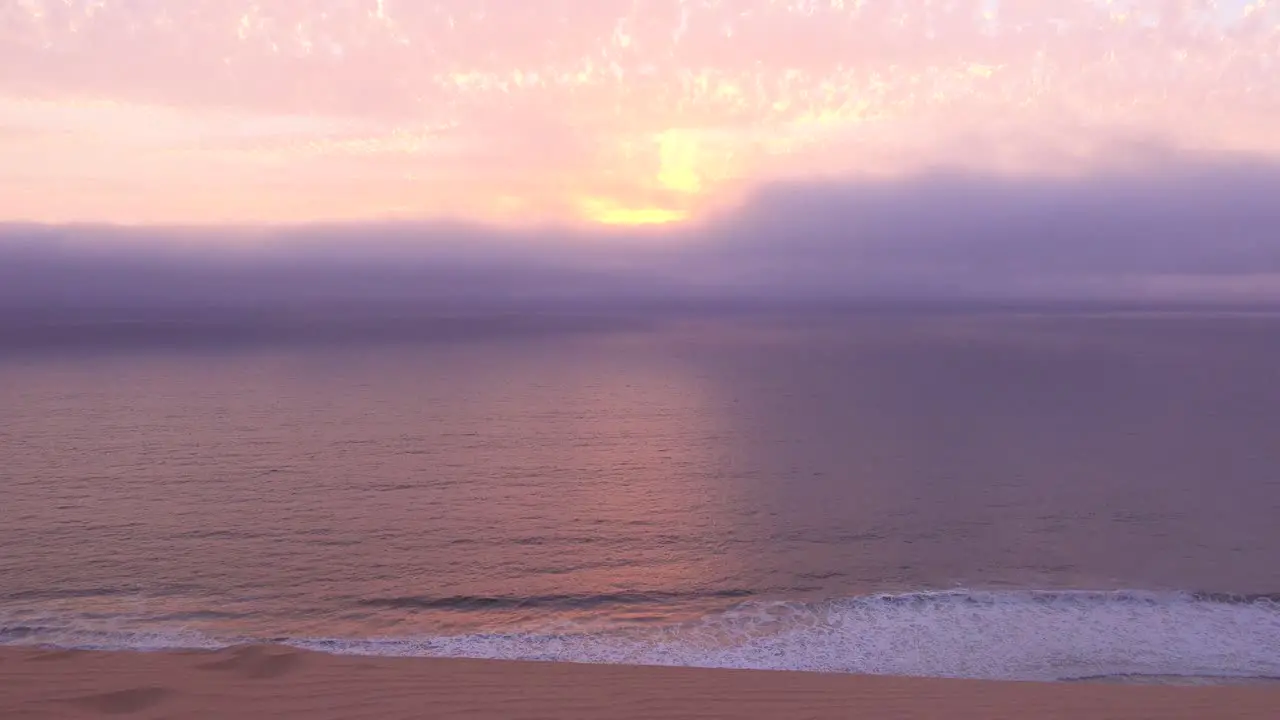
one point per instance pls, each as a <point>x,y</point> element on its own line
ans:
<point>1178,231</point>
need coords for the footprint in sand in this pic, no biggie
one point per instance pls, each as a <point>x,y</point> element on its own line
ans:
<point>257,663</point>
<point>123,702</point>
<point>56,655</point>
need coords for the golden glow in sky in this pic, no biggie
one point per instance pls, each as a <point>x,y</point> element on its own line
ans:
<point>598,111</point>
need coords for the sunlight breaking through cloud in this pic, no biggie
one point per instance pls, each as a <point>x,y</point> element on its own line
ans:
<point>440,107</point>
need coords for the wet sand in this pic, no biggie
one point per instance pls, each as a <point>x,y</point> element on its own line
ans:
<point>278,682</point>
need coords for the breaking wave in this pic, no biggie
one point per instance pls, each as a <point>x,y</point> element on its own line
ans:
<point>1025,635</point>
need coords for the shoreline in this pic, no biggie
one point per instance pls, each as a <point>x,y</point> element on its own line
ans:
<point>283,682</point>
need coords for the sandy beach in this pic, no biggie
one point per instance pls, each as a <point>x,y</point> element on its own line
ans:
<point>277,682</point>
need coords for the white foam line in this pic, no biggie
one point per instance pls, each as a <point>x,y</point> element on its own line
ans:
<point>996,635</point>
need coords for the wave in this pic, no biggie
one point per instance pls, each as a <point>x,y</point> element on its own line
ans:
<point>1023,635</point>
<point>465,603</point>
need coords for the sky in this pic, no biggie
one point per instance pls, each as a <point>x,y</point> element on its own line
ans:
<point>1057,146</point>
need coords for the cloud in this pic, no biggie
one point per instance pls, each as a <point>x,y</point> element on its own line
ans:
<point>303,110</point>
<point>1173,227</point>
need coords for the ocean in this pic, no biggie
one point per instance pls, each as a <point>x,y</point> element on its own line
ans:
<point>1018,495</point>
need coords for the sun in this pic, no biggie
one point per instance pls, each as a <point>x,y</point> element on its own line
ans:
<point>610,212</point>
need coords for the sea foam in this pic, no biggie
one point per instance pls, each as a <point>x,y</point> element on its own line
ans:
<point>1024,635</point>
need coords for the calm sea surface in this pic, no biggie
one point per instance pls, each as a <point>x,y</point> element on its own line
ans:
<point>992,495</point>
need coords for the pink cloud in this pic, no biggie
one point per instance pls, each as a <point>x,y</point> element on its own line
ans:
<point>313,109</point>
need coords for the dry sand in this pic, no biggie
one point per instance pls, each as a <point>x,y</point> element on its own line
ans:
<point>278,682</point>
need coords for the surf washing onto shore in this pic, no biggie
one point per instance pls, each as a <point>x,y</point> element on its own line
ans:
<point>954,496</point>
<point>1052,635</point>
